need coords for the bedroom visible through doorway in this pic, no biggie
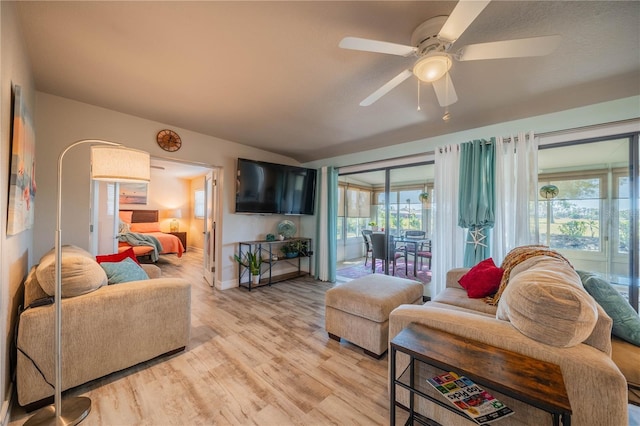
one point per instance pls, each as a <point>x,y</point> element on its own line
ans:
<point>171,196</point>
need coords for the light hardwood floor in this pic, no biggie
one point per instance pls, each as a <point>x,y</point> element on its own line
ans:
<point>260,357</point>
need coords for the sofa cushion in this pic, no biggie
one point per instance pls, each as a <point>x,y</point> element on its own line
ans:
<point>458,297</point>
<point>117,257</point>
<point>517,256</point>
<point>482,280</point>
<point>626,323</point>
<point>32,289</point>
<point>547,303</point>
<point>627,358</point>
<point>80,272</point>
<point>124,271</point>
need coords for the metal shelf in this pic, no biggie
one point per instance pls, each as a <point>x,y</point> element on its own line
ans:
<point>269,252</point>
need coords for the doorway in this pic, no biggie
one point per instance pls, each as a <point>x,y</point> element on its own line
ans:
<point>394,201</point>
<point>173,193</point>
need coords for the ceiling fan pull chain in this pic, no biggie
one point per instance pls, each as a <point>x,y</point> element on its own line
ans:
<point>419,109</point>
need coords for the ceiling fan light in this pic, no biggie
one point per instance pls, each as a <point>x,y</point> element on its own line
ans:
<point>431,68</point>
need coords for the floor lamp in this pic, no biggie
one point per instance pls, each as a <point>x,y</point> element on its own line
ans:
<point>112,162</point>
<point>549,192</point>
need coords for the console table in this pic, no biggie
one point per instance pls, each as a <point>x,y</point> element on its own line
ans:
<point>269,251</point>
<point>510,373</point>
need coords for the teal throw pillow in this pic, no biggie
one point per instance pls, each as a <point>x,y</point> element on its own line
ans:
<point>626,322</point>
<point>124,271</point>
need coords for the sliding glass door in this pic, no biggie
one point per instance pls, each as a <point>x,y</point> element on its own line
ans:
<point>390,201</point>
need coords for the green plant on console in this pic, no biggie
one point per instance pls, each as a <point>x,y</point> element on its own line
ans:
<point>290,249</point>
<point>253,261</point>
<point>295,248</point>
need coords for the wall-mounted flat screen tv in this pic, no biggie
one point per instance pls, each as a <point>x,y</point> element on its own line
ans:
<point>264,187</point>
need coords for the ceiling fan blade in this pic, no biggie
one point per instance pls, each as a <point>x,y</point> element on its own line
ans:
<point>465,12</point>
<point>364,44</point>
<point>386,88</point>
<point>445,92</point>
<point>534,46</point>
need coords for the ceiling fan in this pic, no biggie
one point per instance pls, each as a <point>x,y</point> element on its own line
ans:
<point>431,43</point>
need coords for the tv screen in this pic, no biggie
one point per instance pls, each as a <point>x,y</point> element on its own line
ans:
<point>259,187</point>
<point>299,191</point>
<point>264,187</point>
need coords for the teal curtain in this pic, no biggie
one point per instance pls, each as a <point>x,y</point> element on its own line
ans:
<point>476,197</point>
<point>326,224</point>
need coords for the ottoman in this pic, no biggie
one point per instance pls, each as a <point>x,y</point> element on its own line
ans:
<point>358,311</point>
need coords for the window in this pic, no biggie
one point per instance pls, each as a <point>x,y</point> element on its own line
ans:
<point>198,206</point>
<point>572,220</point>
<point>354,207</point>
<point>589,221</point>
<point>406,209</point>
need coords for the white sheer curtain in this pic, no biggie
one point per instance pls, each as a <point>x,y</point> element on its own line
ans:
<point>448,239</point>
<point>516,213</point>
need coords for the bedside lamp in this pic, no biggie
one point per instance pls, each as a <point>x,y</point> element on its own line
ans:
<point>175,225</point>
<point>112,162</point>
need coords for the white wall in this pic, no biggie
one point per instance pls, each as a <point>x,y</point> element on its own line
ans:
<point>62,121</point>
<point>165,193</point>
<point>606,112</point>
<point>16,251</point>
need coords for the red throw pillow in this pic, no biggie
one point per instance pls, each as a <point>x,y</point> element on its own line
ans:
<point>482,280</point>
<point>118,257</point>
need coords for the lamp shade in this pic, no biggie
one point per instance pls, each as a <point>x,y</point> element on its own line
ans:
<point>119,164</point>
<point>177,213</point>
<point>432,67</point>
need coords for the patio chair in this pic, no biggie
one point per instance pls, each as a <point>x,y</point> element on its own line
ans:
<point>366,236</point>
<point>417,249</point>
<point>385,252</point>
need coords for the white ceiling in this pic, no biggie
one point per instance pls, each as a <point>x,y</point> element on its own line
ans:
<point>271,75</point>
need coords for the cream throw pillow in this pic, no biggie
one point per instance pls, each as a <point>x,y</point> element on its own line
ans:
<point>548,303</point>
<point>80,272</point>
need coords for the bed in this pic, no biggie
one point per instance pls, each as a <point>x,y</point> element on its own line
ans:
<point>141,224</point>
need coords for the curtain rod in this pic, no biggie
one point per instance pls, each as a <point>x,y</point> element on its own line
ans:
<point>572,130</point>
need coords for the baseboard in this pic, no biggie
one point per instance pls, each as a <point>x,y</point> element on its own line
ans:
<point>5,413</point>
<point>225,285</point>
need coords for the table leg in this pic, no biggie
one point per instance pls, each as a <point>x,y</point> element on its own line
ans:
<point>392,392</point>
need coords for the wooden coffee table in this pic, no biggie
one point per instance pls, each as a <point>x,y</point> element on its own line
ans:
<point>512,374</point>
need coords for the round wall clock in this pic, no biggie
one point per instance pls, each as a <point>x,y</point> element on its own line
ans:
<point>169,140</point>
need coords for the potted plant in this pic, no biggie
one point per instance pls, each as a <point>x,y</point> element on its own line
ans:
<point>253,261</point>
<point>291,249</point>
<point>424,198</point>
<point>373,226</point>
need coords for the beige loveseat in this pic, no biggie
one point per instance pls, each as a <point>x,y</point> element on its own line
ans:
<point>105,328</point>
<point>596,388</point>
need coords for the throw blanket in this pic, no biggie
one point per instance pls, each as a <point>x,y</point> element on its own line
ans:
<point>513,258</point>
<point>135,239</point>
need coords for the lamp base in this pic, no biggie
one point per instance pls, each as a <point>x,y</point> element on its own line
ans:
<point>74,410</point>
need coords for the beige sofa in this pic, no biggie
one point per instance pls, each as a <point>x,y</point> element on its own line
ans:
<point>596,388</point>
<point>105,328</point>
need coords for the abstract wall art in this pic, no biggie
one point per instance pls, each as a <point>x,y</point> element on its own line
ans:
<point>22,181</point>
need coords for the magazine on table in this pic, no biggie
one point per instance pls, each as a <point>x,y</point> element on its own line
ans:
<point>469,398</point>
